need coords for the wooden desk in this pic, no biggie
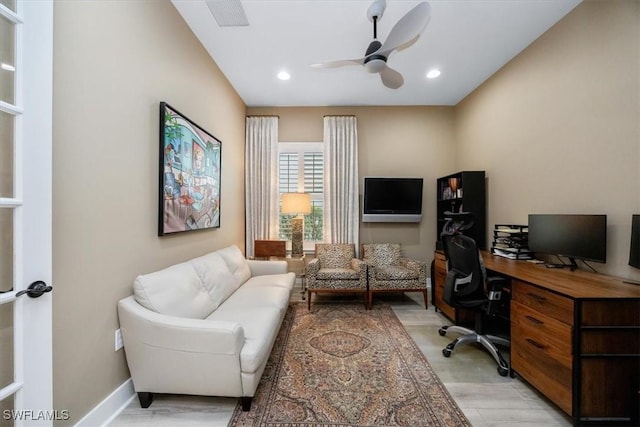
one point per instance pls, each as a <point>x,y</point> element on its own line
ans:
<point>575,336</point>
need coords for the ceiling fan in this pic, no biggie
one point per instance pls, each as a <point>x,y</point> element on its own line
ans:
<point>405,33</point>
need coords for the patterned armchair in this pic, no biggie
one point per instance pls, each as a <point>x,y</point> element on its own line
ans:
<point>336,269</point>
<point>388,271</point>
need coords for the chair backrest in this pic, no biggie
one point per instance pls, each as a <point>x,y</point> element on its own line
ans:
<point>382,254</point>
<point>270,248</point>
<point>335,255</point>
<point>465,273</point>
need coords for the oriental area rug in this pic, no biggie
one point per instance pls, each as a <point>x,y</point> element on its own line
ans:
<point>342,365</point>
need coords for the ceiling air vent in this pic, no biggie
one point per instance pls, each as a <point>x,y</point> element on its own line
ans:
<point>228,13</point>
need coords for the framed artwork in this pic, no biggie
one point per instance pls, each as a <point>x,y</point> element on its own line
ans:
<point>190,161</point>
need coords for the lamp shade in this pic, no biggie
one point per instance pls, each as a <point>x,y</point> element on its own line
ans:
<point>296,203</point>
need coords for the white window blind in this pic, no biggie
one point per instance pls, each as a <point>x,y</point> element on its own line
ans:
<point>301,169</point>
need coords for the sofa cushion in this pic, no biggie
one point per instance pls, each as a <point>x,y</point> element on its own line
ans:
<point>286,280</point>
<point>248,297</point>
<point>215,276</point>
<point>236,262</point>
<point>174,291</point>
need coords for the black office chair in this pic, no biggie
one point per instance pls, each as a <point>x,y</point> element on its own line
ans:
<point>465,288</point>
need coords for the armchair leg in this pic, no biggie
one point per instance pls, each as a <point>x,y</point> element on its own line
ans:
<point>309,300</point>
<point>426,303</point>
<point>145,399</point>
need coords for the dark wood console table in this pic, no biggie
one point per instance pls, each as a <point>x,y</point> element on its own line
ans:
<point>575,336</point>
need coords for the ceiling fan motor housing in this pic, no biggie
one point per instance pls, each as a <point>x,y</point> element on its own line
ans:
<point>374,63</point>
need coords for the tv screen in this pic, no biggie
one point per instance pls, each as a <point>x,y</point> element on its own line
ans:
<point>573,236</point>
<point>392,199</point>
<point>634,251</point>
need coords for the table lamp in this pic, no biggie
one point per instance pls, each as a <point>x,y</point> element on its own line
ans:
<point>296,204</point>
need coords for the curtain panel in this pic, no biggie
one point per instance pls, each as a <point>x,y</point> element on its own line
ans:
<point>261,180</point>
<point>341,214</point>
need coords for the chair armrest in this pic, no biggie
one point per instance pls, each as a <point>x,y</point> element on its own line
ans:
<point>312,267</point>
<point>358,264</point>
<point>420,266</point>
<point>261,268</point>
<point>496,283</point>
<point>143,327</point>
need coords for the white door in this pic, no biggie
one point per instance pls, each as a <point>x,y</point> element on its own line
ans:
<point>26,37</point>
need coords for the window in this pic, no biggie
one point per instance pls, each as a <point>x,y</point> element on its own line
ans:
<point>301,169</point>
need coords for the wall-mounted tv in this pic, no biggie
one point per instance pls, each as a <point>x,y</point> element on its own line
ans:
<point>573,236</point>
<point>389,199</point>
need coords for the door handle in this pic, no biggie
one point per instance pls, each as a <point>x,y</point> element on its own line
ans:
<point>35,290</point>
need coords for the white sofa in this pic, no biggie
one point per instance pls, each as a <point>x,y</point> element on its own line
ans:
<point>205,326</point>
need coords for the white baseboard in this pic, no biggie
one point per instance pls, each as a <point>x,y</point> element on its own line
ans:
<point>110,407</point>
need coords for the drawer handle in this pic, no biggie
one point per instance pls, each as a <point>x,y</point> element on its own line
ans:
<point>537,297</point>
<point>534,320</point>
<point>536,344</point>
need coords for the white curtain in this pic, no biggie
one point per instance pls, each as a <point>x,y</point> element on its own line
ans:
<point>341,213</point>
<point>261,180</point>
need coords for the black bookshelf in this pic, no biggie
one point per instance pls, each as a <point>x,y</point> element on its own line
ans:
<point>463,191</point>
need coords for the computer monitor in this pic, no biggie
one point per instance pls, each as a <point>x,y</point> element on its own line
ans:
<point>634,250</point>
<point>573,236</point>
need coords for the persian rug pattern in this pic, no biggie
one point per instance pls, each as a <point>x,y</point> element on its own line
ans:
<point>342,365</point>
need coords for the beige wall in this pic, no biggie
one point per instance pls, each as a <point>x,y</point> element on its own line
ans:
<point>558,128</point>
<point>113,63</point>
<point>392,141</point>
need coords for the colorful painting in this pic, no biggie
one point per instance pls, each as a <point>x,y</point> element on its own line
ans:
<point>189,175</point>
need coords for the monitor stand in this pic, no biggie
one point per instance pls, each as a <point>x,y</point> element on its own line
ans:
<point>572,264</point>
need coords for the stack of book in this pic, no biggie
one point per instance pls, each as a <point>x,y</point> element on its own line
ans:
<point>511,241</point>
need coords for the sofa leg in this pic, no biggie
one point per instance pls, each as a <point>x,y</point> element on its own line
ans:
<point>426,303</point>
<point>246,403</point>
<point>145,399</point>
<point>309,300</point>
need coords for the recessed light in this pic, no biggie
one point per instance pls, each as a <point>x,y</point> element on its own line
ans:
<point>7,67</point>
<point>283,75</point>
<point>432,74</point>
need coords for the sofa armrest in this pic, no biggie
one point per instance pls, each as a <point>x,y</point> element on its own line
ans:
<point>141,326</point>
<point>260,268</point>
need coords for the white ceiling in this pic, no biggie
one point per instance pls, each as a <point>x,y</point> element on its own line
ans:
<point>468,40</point>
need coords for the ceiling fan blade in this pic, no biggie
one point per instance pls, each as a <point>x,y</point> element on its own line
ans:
<point>335,64</point>
<point>391,78</point>
<point>408,29</point>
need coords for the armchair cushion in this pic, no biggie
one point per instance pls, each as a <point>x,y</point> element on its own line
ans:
<point>382,254</point>
<point>337,274</point>
<point>396,272</point>
<point>335,255</point>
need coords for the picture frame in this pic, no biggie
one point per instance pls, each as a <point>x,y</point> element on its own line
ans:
<point>189,168</point>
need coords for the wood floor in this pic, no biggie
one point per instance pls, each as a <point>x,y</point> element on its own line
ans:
<point>470,375</point>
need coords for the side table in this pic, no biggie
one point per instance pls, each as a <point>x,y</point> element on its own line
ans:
<point>297,266</point>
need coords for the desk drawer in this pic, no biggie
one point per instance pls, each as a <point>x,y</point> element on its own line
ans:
<point>550,376</point>
<point>543,301</point>
<point>547,334</point>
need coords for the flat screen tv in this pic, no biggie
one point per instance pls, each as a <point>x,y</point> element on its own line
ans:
<point>388,199</point>
<point>634,250</point>
<point>573,236</point>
